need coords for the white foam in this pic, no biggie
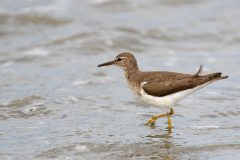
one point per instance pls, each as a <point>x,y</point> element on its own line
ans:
<point>71,99</point>
<point>51,8</point>
<point>38,104</point>
<point>206,127</point>
<point>37,52</point>
<point>81,148</point>
<point>80,82</point>
<point>61,89</point>
<point>29,110</point>
<point>97,2</point>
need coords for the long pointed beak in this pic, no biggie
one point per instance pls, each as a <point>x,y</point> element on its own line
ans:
<point>107,63</point>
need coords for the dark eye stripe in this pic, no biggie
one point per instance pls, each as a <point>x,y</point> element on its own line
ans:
<point>119,59</point>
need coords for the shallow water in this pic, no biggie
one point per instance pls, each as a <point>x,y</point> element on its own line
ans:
<point>56,104</point>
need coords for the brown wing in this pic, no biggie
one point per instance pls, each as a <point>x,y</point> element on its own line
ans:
<point>158,76</point>
<point>161,76</point>
<point>160,89</point>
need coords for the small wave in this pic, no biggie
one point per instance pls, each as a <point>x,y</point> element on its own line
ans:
<point>67,100</point>
<point>80,82</point>
<point>36,52</point>
<point>30,18</point>
<point>81,148</point>
<point>22,102</point>
<point>60,151</point>
<point>206,127</point>
<point>30,109</point>
<point>97,2</point>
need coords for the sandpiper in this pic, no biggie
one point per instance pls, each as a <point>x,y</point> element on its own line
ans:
<point>160,88</point>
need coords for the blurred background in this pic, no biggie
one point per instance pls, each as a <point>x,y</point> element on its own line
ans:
<point>56,104</point>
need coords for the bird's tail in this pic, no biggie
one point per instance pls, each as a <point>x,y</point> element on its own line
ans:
<point>216,76</point>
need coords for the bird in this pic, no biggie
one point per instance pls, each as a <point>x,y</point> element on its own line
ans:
<point>161,89</point>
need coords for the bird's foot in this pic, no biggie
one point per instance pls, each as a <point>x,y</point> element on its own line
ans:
<point>169,127</point>
<point>151,122</point>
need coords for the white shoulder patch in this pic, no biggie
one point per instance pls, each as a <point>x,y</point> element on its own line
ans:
<point>142,84</point>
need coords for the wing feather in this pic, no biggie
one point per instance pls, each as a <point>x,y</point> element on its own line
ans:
<point>160,89</point>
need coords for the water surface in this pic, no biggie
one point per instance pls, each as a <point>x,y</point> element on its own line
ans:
<point>56,104</point>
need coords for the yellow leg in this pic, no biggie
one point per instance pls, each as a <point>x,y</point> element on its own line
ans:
<point>169,122</point>
<point>153,119</point>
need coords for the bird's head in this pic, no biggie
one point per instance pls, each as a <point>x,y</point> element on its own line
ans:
<point>124,60</point>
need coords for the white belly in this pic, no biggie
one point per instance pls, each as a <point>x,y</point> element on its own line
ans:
<point>167,102</point>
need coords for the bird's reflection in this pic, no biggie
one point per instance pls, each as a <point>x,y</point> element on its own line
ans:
<point>164,145</point>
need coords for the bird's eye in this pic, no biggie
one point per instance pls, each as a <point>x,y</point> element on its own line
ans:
<point>119,59</point>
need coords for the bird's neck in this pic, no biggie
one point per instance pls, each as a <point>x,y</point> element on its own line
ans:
<point>131,76</point>
<point>131,69</point>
